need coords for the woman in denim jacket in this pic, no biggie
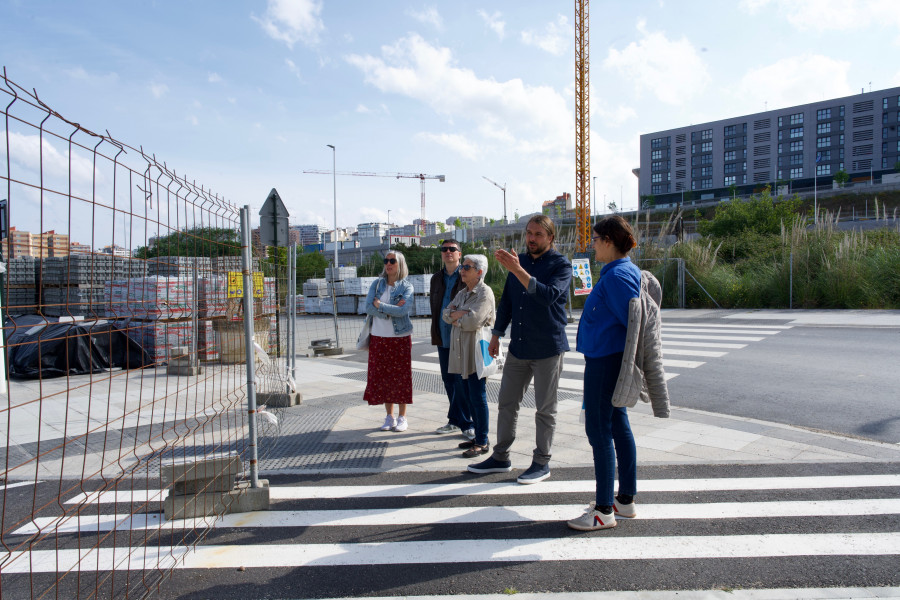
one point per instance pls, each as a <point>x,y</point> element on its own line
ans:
<point>388,304</point>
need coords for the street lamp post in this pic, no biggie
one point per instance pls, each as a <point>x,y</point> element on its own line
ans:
<point>595,200</point>
<point>334,271</point>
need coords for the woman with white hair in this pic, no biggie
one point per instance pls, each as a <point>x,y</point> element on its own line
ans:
<point>389,379</point>
<point>471,309</point>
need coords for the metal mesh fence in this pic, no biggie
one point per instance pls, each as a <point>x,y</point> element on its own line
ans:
<point>123,355</point>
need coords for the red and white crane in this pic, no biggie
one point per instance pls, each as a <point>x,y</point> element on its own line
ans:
<point>420,176</point>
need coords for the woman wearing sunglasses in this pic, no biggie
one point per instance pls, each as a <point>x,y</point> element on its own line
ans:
<point>389,380</point>
<point>471,309</point>
<point>619,335</point>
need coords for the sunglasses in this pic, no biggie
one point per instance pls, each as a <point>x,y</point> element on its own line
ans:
<point>467,267</point>
<point>449,249</point>
<point>392,261</point>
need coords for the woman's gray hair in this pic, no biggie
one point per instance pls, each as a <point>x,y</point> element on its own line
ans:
<point>481,263</point>
<point>402,269</point>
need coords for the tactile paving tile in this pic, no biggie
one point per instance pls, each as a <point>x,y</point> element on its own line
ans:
<point>431,382</point>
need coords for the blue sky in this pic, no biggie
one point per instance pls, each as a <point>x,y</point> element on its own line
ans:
<point>243,96</point>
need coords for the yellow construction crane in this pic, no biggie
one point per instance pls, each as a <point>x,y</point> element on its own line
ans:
<point>420,176</point>
<point>582,129</point>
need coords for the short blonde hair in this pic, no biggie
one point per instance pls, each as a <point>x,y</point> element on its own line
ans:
<point>402,269</point>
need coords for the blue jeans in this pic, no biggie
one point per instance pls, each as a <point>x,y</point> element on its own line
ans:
<point>476,396</point>
<point>608,429</point>
<point>458,413</point>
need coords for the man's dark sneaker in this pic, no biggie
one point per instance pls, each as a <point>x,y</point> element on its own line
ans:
<point>534,473</point>
<point>491,465</point>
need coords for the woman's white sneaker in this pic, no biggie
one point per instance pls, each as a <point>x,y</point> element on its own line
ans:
<point>592,519</point>
<point>401,424</point>
<point>389,423</point>
<point>626,511</point>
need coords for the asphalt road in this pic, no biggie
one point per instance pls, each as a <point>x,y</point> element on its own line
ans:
<point>839,379</point>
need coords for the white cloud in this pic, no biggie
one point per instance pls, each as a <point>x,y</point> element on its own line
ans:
<point>363,109</point>
<point>413,68</point>
<point>81,74</point>
<point>292,21</point>
<point>554,39</point>
<point>453,141</point>
<point>31,152</point>
<point>214,78</point>
<point>428,15</point>
<point>830,15</point>
<point>293,68</point>
<point>158,89</point>
<point>672,70</point>
<point>793,80</point>
<point>192,119</point>
<point>494,22</point>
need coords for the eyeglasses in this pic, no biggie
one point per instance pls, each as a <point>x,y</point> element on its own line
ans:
<point>467,267</point>
<point>392,261</point>
<point>597,237</point>
<point>449,249</point>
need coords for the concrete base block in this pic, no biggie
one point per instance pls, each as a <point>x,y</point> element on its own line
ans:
<point>239,500</point>
<point>222,484</point>
<point>328,351</point>
<point>183,371</point>
<point>279,399</point>
<point>180,470</point>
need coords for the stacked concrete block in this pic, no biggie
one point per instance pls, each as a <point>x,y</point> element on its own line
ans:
<point>212,296</point>
<point>205,487</point>
<point>315,287</point>
<point>182,362</point>
<point>222,265</point>
<point>179,266</point>
<point>159,338</point>
<point>421,283</point>
<point>346,305</point>
<point>20,292</point>
<point>423,306</point>
<point>339,274</point>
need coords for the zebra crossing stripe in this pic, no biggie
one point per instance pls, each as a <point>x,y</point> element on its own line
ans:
<point>452,515</point>
<point>729,326</point>
<point>666,328</point>
<point>718,338</point>
<point>568,548</point>
<point>668,343</point>
<point>512,488</point>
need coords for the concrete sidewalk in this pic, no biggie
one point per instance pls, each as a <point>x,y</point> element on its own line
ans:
<point>687,437</point>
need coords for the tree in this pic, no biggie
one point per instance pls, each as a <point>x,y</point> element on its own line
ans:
<point>516,216</point>
<point>442,227</point>
<point>197,241</point>
<point>648,201</point>
<point>310,264</point>
<point>491,222</point>
<point>758,214</point>
<point>613,207</point>
<point>457,223</point>
<point>841,178</point>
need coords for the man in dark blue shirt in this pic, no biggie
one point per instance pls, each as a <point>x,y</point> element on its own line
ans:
<point>445,284</point>
<point>534,303</point>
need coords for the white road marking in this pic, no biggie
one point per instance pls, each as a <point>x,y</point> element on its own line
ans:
<point>513,488</point>
<point>586,547</point>
<point>667,343</point>
<point>729,326</point>
<point>458,515</point>
<point>9,486</point>
<point>722,338</point>
<point>666,328</point>
<point>679,352</point>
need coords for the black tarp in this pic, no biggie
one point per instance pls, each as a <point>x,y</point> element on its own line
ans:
<point>39,348</point>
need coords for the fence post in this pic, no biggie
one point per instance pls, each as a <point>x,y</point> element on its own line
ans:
<point>791,283</point>
<point>247,265</point>
<point>679,262</point>
<point>294,313</point>
<point>195,325</point>
<point>287,313</point>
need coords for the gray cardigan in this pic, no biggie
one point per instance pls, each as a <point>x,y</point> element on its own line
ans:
<point>642,375</point>
<point>482,313</point>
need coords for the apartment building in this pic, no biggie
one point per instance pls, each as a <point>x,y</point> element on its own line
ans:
<point>559,208</point>
<point>796,147</point>
<point>40,245</point>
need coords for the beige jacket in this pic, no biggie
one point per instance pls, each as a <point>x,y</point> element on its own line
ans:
<point>481,313</point>
<point>642,375</point>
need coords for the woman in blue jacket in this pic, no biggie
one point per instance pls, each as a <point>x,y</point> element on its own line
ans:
<point>389,303</point>
<point>601,338</point>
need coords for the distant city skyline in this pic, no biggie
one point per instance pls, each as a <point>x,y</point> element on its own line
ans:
<point>470,90</point>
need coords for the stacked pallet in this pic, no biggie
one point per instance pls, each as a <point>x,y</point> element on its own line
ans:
<point>228,264</point>
<point>20,292</point>
<point>75,284</point>
<point>339,274</point>
<point>315,287</point>
<point>180,266</point>
<point>211,296</point>
<point>358,286</point>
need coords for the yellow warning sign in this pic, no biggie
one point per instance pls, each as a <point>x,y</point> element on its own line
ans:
<point>236,285</point>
